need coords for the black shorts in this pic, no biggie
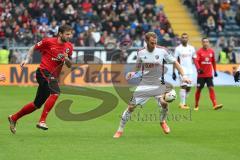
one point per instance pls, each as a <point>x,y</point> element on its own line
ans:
<point>202,80</point>
<point>47,85</point>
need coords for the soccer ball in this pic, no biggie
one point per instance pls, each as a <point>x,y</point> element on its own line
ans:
<point>170,96</point>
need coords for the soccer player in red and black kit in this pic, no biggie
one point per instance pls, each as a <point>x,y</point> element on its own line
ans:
<point>56,52</point>
<point>205,62</point>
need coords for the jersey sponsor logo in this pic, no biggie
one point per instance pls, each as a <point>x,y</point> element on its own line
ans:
<point>184,55</point>
<point>206,62</point>
<point>67,50</point>
<point>150,65</point>
<point>59,57</point>
<point>157,56</point>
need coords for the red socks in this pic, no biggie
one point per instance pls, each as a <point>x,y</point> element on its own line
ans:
<point>48,106</point>
<point>29,108</point>
<point>211,93</point>
<point>197,96</point>
<point>212,96</point>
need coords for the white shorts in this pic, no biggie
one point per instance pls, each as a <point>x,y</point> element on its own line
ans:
<point>143,93</point>
<point>186,84</point>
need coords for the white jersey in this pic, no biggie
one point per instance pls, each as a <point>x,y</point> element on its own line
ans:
<point>151,62</point>
<point>185,55</point>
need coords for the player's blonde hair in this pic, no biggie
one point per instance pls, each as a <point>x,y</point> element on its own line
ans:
<point>150,34</point>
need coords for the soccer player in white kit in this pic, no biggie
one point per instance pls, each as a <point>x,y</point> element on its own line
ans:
<point>185,54</point>
<point>149,61</point>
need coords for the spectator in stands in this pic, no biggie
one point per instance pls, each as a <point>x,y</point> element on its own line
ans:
<point>232,55</point>
<point>119,18</point>
<point>237,17</point>
<point>224,57</point>
<point>218,16</point>
<point>211,25</point>
<point>4,55</point>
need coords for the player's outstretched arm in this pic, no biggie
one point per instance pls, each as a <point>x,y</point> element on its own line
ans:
<point>180,70</point>
<point>29,56</point>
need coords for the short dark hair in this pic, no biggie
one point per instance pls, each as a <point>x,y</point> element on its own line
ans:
<point>184,34</point>
<point>204,38</point>
<point>64,28</point>
<point>4,47</point>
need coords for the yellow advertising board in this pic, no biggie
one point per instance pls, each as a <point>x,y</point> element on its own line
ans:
<point>80,75</point>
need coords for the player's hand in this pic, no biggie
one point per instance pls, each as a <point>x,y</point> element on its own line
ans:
<point>174,77</point>
<point>22,64</point>
<point>237,76</point>
<point>185,79</point>
<point>2,77</point>
<point>65,55</point>
<point>200,71</point>
<point>215,74</point>
<point>129,75</point>
<point>61,57</point>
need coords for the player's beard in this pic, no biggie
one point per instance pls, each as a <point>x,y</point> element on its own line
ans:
<point>63,39</point>
<point>151,47</point>
<point>184,43</point>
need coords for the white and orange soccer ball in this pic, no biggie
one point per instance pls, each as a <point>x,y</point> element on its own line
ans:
<point>170,96</point>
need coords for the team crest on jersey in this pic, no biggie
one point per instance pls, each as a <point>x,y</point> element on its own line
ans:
<point>145,57</point>
<point>157,56</point>
<point>211,55</point>
<point>67,50</point>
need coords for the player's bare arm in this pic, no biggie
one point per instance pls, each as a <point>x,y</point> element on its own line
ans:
<point>180,70</point>
<point>29,56</point>
<point>129,75</point>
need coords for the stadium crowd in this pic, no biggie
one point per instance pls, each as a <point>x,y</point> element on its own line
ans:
<point>95,22</point>
<point>219,20</point>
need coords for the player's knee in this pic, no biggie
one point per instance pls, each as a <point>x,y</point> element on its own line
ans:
<point>184,87</point>
<point>131,107</point>
<point>188,89</point>
<point>56,95</point>
<point>163,104</point>
<point>37,105</point>
<point>200,88</point>
<point>210,87</point>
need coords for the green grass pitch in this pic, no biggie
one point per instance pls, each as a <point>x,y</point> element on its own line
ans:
<point>205,134</point>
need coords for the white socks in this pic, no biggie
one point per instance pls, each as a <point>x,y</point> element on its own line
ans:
<point>125,117</point>
<point>182,96</point>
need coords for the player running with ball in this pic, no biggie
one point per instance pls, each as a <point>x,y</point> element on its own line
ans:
<point>205,64</point>
<point>150,60</point>
<point>55,52</point>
